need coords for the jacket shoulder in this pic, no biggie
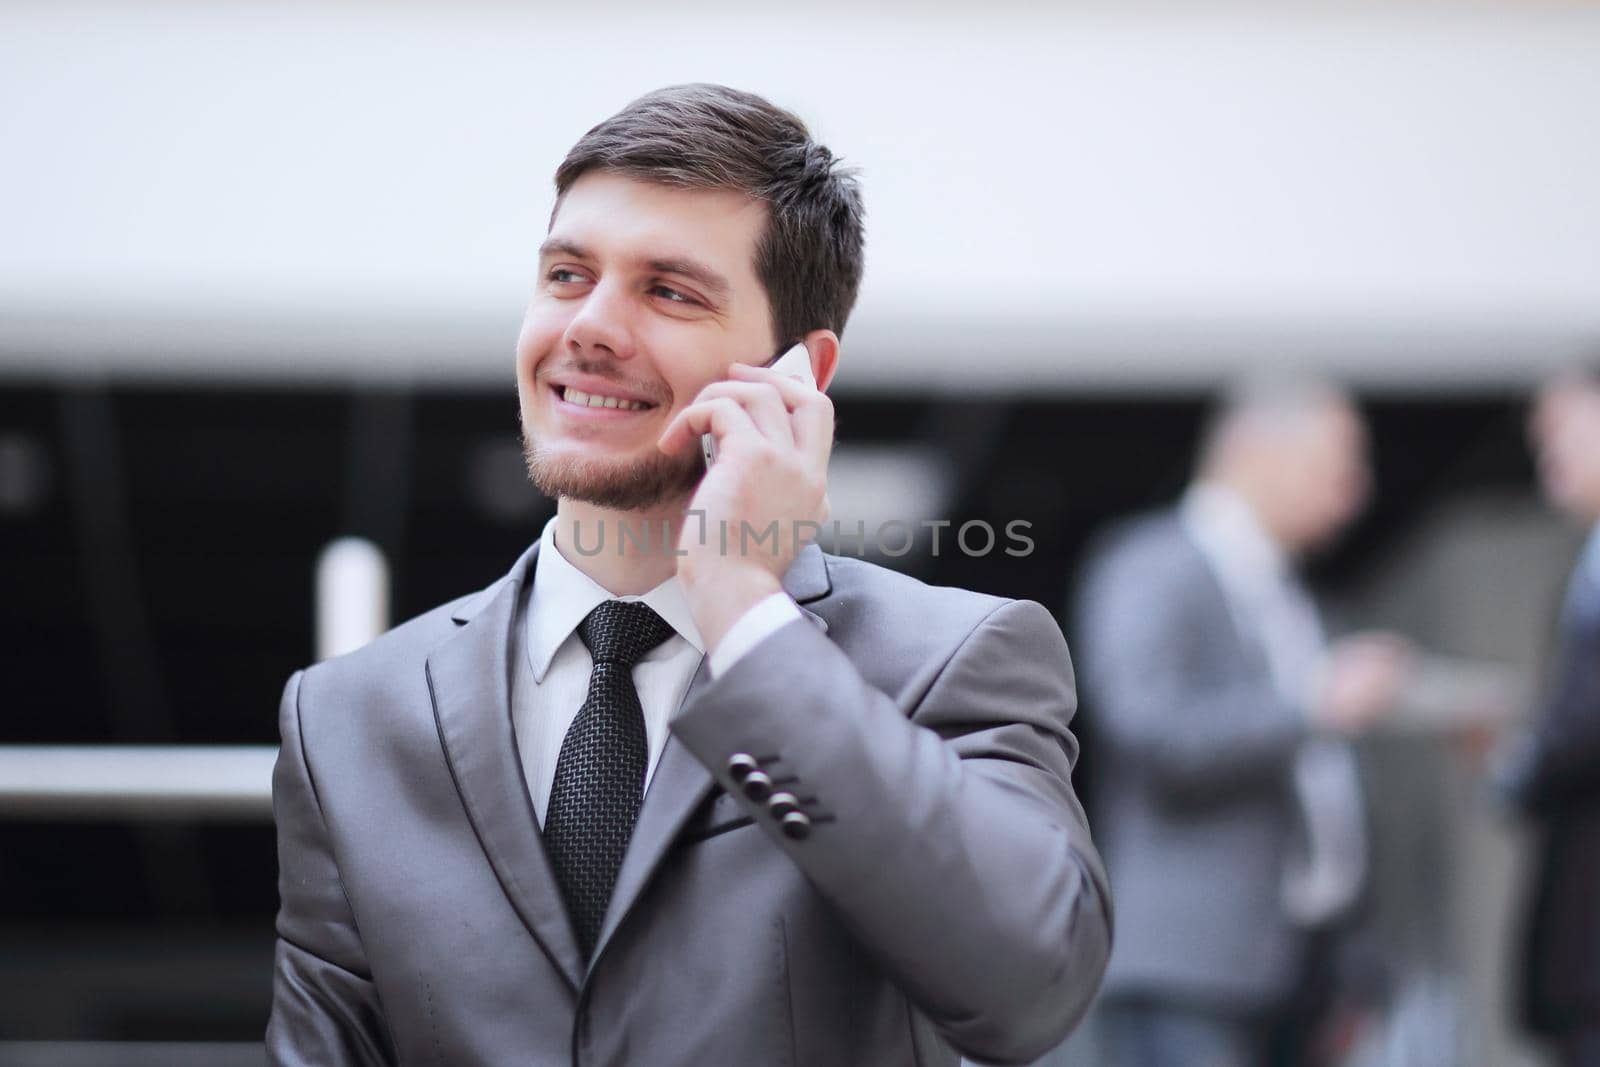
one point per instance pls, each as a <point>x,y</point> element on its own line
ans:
<point>907,637</point>
<point>1147,551</point>
<point>905,621</point>
<point>862,588</point>
<point>395,659</point>
<point>1136,538</point>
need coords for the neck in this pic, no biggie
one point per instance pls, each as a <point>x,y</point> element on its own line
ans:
<point>626,553</point>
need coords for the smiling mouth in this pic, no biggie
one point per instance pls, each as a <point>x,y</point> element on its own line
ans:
<point>596,400</point>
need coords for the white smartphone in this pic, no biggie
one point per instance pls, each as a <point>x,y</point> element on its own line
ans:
<point>796,363</point>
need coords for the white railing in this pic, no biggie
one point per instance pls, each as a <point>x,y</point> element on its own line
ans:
<point>132,1054</point>
<point>136,781</point>
<point>194,781</point>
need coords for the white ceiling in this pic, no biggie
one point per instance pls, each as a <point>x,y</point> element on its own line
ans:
<point>1109,197</point>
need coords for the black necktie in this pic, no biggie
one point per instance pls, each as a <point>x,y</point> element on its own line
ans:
<point>600,773</point>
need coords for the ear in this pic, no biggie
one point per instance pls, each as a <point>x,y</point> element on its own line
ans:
<point>823,348</point>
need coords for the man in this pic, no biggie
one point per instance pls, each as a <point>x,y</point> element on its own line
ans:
<point>1555,777</point>
<point>687,798</point>
<point>1229,808</point>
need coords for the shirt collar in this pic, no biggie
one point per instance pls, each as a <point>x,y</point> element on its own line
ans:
<point>1227,530</point>
<point>563,596</point>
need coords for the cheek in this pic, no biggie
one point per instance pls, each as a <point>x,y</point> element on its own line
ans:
<point>1587,474</point>
<point>687,369</point>
<point>1587,447</point>
<point>542,329</point>
<point>1332,499</point>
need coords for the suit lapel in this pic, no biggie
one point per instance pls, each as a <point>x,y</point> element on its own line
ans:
<point>680,781</point>
<point>469,679</point>
<point>807,580</point>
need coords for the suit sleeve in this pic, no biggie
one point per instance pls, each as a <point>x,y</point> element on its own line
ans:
<point>325,1010</point>
<point>949,841</point>
<point>1561,762</point>
<point>1202,734</point>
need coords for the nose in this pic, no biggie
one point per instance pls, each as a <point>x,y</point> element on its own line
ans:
<point>601,327</point>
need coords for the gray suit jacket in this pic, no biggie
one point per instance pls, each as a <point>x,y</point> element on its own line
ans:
<point>949,896</point>
<point>1194,806</point>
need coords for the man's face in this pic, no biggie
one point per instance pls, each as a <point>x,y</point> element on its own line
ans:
<point>1565,433</point>
<point>646,294</point>
<point>1325,477</point>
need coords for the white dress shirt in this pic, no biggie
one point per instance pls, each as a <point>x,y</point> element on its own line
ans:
<point>1268,601</point>
<point>558,664</point>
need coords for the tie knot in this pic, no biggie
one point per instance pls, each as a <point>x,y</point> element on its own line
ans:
<point>622,631</point>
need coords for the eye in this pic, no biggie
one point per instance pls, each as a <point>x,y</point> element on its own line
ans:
<point>563,276</point>
<point>671,295</point>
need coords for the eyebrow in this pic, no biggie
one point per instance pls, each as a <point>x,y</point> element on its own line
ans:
<point>714,282</point>
<point>562,246</point>
<point>695,271</point>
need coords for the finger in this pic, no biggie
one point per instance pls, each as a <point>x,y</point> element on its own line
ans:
<point>813,411</point>
<point>762,402</point>
<point>792,386</point>
<point>722,417</point>
<point>813,426</point>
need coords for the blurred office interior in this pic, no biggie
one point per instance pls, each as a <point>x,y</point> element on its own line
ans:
<point>262,266</point>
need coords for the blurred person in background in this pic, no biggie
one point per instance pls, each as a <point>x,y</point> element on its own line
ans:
<point>1230,807</point>
<point>1554,774</point>
<point>702,802</point>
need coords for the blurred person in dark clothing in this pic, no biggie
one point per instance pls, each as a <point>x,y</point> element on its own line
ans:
<point>1555,776</point>
<point>1230,806</point>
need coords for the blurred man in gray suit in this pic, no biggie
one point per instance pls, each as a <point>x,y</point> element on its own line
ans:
<point>1554,776</point>
<point>1230,808</point>
<point>677,791</point>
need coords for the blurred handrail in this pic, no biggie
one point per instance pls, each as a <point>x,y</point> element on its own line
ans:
<point>133,1054</point>
<point>144,782</point>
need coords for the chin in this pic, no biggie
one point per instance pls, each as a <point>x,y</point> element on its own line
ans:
<point>1573,503</point>
<point>619,484</point>
<point>1319,539</point>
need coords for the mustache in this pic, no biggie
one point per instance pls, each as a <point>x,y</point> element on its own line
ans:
<point>654,391</point>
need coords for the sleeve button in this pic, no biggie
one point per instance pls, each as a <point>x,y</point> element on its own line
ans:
<point>740,764</point>
<point>757,785</point>
<point>796,826</point>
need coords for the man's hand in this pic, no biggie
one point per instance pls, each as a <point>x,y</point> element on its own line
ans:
<point>762,499</point>
<point>1360,681</point>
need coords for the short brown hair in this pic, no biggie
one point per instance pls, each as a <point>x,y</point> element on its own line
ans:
<point>703,136</point>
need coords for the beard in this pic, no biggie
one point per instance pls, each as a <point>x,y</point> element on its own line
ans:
<point>619,486</point>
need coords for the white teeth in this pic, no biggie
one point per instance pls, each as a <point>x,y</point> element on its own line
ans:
<point>578,396</point>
